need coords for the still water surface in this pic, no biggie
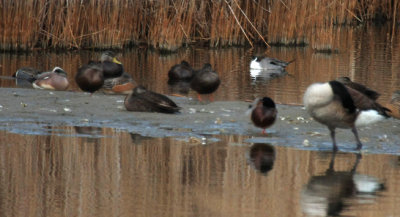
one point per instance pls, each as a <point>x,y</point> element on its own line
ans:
<point>72,171</point>
<point>366,55</point>
<point>122,174</point>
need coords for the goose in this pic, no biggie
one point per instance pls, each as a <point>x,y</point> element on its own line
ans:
<point>54,80</point>
<point>338,106</point>
<point>359,87</point>
<point>143,100</point>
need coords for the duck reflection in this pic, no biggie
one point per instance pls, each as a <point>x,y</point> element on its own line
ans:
<point>325,195</point>
<point>179,86</point>
<point>88,131</point>
<point>261,157</point>
<point>138,139</point>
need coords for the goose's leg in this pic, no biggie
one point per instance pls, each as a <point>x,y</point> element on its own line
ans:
<point>332,129</point>
<point>359,144</point>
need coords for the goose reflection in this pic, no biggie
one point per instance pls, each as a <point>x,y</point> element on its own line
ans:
<point>326,195</point>
<point>261,157</point>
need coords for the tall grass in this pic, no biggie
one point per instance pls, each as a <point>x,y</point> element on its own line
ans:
<point>170,24</point>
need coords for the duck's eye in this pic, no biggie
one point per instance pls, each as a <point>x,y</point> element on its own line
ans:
<point>250,106</point>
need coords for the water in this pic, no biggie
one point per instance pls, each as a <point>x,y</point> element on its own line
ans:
<point>366,55</point>
<point>122,174</point>
<point>95,171</point>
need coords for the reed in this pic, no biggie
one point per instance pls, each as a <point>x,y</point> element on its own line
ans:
<point>171,24</point>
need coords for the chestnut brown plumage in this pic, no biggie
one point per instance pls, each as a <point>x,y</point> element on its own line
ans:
<point>90,77</point>
<point>263,115</point>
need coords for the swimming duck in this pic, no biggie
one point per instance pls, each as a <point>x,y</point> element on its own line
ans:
<point>359,87</point>
<point>338,106</point>
<point>119,85</point>
<point>90,77</point>
<point>143,100</point>
<point>112,67</point>
<point>394,105</point>
<point>263,113</point>
<point>267,63</point>
<point>205,81</point>
<point>182,71</point>
<point>54,80</point>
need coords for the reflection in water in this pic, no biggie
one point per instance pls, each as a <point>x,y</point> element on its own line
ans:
<point>261,157</point>
<point>88,131</point>
<point>329,194</point>
<point>50,175</point>
<point>179,87</point>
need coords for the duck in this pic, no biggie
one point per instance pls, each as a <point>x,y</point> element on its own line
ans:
<point>263,113</point>
<point>143,100</point>
<point>112,67</point>
<point>27,73</point>
<point>394,105</point>
<point>90,77</point>
<point>182,71</point>
<point>372,94</point>
<point>205,81</point>
<point>54,80</point>
<point>123,84</point>
<point>267,63</point>
<point>338,106</point>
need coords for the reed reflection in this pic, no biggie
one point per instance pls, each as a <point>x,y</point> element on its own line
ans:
<point>329,194</point>
<point>261,157</point>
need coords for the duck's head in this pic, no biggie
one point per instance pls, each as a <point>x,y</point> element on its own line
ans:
<point>139,90</point>
<point>268,102</point>
<point>59,71</point>
<point>184,63</point>
<point>109,56</point>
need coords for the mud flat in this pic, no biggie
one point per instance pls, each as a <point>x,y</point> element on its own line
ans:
<point>28,111</point>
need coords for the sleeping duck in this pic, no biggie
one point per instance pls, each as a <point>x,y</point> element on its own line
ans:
<point>182,71</point>
<point>122,84</point>
<point>54,80</point>
<point>205,81</point>
<point>90,77</point>
<point>143,100</point>
<point>339,106</point>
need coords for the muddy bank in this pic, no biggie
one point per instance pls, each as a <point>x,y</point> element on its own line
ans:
<point>28,111</point>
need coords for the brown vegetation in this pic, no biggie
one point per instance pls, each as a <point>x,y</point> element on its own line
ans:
<point>170,24</point>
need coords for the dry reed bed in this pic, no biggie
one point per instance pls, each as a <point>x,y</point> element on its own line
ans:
<point>168,25</point>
